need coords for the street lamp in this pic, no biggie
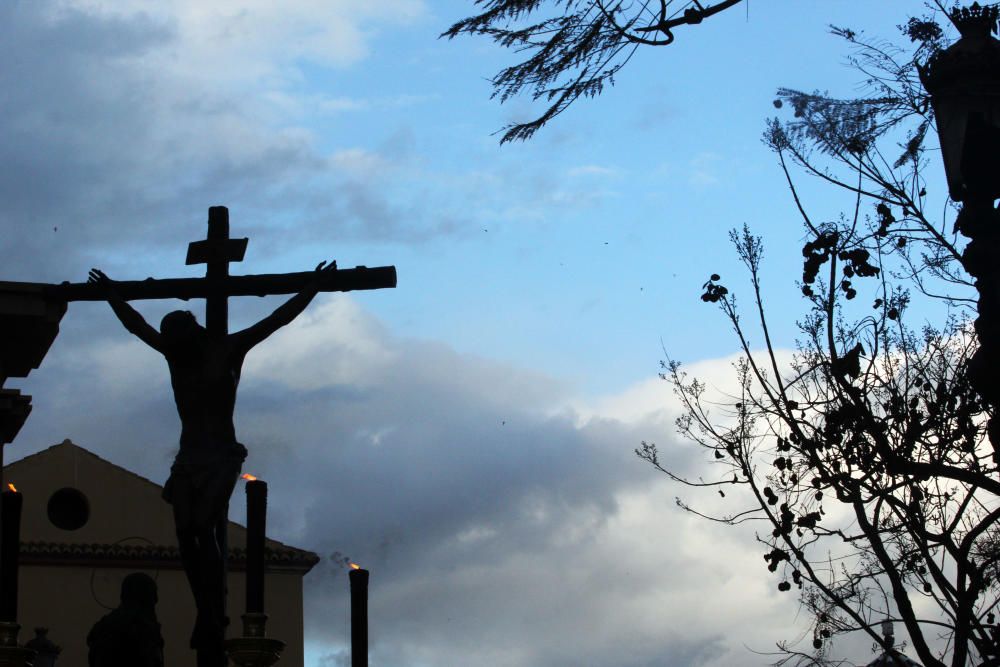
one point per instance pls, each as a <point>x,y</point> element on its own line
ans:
<point>964,85</point>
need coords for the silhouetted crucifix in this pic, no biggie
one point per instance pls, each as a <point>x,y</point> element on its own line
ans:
<point>205,365</point>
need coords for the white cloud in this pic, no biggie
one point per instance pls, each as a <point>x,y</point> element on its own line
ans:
<point>331,344</point>
<point>360,163</point>
<point>257,40</point>
<point>336,104</point>
<point>593,170</point>
<point>703,169</point>
<point>644,402</point>
<point>341,104</point>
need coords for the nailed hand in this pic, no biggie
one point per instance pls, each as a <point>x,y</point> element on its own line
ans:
<point>98,277</point>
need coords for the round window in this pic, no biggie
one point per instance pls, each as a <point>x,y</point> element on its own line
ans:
<point>69,509</point>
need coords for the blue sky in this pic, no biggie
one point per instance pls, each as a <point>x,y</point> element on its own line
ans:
<point>607,223</point>
<point>484,411</point>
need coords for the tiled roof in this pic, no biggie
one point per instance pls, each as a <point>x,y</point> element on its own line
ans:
<point>277,556</point>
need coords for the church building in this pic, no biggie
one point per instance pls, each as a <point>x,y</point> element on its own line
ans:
<point>88,523</point>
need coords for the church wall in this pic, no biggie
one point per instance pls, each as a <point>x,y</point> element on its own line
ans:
<point>71,576</point>
<point>69,600</point>
<point>133,502</point>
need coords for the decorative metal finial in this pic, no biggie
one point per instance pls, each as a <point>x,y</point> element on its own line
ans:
<point>976,20</point>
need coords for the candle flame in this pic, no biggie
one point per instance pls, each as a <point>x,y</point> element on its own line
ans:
<point>11,487</point>
<point>355,566</point>
<point>248,477</point>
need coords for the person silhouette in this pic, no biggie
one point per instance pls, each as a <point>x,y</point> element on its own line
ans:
<point>130,635</point>
<point>205,374</point>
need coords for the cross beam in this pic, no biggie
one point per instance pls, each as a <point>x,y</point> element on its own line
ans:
<point>263,284</point>
<point>216,252</point>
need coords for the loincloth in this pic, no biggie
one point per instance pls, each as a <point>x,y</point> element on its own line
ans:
<point>205,475</point>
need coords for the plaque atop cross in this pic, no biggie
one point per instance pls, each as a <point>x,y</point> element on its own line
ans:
<point>216,252</point>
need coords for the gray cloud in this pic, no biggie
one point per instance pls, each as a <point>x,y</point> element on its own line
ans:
<point>501,526</point>
<point>114,135</point>
<point>103,149</point>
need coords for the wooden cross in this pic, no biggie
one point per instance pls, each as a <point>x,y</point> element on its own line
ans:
<point>216,251</point>
<point>30,312</point>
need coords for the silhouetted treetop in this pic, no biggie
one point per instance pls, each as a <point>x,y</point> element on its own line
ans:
<point>573,47</point>
<point>865,448</point>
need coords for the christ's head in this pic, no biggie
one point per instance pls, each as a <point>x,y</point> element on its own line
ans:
<point>180,329</point>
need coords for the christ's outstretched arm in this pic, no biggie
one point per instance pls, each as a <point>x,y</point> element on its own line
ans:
<point>284,314</point>
<point>128,315</point>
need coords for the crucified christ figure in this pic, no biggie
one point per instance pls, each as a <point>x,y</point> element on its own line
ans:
<point>204,374</point>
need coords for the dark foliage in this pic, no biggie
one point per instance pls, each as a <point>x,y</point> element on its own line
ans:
<point>863,451</point>
<point>574,48</point>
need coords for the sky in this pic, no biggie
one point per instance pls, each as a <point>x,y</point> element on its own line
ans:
<point>469,435</point>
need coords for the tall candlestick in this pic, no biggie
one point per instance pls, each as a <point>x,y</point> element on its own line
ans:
<point>359,616</point>
<point>10,550</point>
<point>256,522</point>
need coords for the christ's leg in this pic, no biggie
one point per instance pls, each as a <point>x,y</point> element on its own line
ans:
<point>209,626</point>
<point>211,522</point>
<point>183,498</point>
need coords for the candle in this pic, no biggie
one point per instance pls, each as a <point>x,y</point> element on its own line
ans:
<point>358,578</point>
<point>10,549</point>
<point>256,521</point>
